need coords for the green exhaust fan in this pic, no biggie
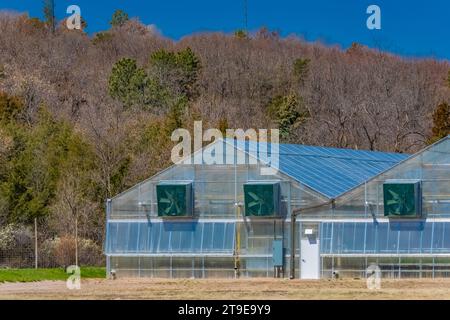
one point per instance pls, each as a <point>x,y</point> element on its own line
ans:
<point>175,199</point>
<point>402,199</point>
<point>262,199</point>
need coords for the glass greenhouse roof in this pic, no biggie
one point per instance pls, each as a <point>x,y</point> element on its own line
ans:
<point>329,171</point>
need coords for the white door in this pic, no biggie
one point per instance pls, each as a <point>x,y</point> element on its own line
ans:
<point>309,252</point>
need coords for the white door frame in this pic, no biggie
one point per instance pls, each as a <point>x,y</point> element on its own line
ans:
<point>309,251</point>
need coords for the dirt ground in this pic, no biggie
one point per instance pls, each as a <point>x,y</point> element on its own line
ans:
<point>228,289</point>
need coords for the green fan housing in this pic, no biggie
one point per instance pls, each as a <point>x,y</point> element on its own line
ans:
<point>262,199</point>
<point>402,199</point>
<point>175,199</point>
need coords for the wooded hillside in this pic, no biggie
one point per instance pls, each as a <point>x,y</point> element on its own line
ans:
<point>85,117</point>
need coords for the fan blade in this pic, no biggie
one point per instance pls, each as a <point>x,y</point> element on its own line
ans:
<point>394,195</point>
<point>164,200</point>
<point>254,196</point>
<point>252,204</point>
<point>168,209</point>
<point>391,202</point>
<point>168,194</point>
<point>178,209</point>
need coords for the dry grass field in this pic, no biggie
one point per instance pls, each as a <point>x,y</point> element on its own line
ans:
<point>228,289</point>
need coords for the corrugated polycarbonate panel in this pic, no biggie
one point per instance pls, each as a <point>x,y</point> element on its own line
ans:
<point>368,238</point>
<point>329,171</point>
<point>170,237</point>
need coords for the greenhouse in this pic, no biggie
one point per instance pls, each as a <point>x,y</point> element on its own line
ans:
<point>324,212</point>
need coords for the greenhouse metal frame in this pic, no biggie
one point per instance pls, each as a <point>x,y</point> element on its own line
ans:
<point>335,197</point>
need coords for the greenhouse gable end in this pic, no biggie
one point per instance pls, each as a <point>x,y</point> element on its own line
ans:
<point>351,208</point>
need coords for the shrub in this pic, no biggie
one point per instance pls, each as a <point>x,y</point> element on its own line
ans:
<point>60,252</point>
<point>16,246</point>
<point>13,236</point>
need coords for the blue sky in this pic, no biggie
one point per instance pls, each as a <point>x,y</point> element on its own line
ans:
<point>409,27</point>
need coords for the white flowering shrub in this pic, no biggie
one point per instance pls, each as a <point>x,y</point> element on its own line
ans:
<point>13,235</point>
<point>60,252</point>
<point>16,246</point>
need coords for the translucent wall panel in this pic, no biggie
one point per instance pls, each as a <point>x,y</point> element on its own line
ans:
<point>170,237</point>
<point>257,267</point>
<point>217,188</point>
<point>140,200</point>
<point>432,167</point>
<point>391,267</point>
<point>128,204</point>
<point>369,238</point>
<point>257,235</point>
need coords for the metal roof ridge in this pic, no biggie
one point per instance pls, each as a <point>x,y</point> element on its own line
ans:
<point>229,140</point>
<point>341,157</point>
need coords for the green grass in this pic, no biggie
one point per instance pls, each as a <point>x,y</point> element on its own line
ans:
<point>29,275</point>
